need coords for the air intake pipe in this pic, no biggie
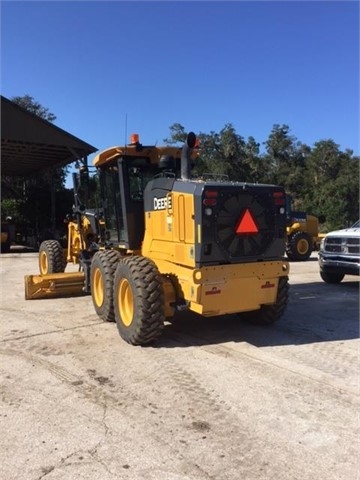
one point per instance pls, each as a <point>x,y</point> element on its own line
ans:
<point>186,155</point>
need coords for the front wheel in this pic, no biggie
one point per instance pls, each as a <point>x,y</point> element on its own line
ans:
<point>138,300</point>
<point>51,257</point>
<point>299,247</point>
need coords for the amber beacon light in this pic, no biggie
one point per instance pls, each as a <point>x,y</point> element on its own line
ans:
<point>134,138</point>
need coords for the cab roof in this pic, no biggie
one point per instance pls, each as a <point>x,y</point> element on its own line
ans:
<point>154,153</point>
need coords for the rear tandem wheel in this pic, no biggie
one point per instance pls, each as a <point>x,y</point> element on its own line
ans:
<point>103,266</point>
<point>269,314</point>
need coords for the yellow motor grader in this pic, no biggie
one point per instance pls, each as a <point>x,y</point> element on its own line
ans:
<point>164,241</point>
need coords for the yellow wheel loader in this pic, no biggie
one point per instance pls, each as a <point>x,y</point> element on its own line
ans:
<point>302,232</point>
<point>164,242</point>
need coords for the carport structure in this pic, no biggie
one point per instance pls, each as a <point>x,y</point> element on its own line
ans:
<point>31,145</point>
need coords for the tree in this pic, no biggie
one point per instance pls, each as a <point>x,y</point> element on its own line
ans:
<point>323,180</point>
<point>177,134</point>
<point>333,184</point>
<point>222,153</point>
<point>285,156</point>
<point>31,105</point>
<point>256,165</point>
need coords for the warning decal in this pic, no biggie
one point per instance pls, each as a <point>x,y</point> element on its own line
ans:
<point>246,224</point>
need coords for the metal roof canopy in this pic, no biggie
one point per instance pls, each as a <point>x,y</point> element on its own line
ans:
<point>30,144</point>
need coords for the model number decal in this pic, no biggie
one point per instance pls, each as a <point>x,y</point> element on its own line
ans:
<point>162,203</point>
<point>213,291</point>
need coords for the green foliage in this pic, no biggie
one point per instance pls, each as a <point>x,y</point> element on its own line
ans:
<point>177,134</point>
<point>335,178</point>
<point>11,207</point>
<point>31,105</point>
<point>323,180</point>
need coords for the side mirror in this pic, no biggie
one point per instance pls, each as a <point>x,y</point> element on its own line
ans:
<point>83,175</point>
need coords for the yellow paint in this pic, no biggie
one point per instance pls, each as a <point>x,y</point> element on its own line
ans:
<point>169,233</point>
<point>53,285</point>
<point>224,289</point>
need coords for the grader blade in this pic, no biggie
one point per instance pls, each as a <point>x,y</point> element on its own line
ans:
<point>54,285</point>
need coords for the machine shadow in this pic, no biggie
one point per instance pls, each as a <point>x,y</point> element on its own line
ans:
<point>316,312</point>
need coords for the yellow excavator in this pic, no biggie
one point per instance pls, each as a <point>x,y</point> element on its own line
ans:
<point>163,241</point>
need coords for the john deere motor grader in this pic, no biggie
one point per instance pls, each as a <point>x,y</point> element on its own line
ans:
<point>166,242</point>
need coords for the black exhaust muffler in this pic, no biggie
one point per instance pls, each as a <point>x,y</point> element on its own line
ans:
<point>186,155</point>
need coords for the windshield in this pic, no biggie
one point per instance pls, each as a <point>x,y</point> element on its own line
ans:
<point>139,176</point>
<point>356,224</point>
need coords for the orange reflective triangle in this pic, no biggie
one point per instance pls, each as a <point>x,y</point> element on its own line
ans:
<point>246,224</point>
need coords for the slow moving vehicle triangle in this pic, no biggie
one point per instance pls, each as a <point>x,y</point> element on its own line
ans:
<point>246,224</point>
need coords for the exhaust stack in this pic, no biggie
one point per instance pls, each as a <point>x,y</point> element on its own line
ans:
<point>186,154</point>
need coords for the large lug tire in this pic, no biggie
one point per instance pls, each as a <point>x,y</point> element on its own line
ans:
<point>299,247</point>
<point>331,277</point>
<point>51,257</point>
<point>269,314</point>
<point>103,266</point>
<point>138,300</point>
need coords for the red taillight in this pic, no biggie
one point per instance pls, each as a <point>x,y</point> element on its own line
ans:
<point>211,193</point>
<point>209,202</point>
<point>279,198</point>
<point>210,198</point>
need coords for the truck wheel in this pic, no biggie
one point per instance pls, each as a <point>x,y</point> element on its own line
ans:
<point>332,277</point>
<point>51,257</point>
<point>138,300</point>
<point>103,266</point>
<point>268,314</point>
<point>299,247</point>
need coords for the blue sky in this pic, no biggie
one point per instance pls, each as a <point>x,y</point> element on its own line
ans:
<point>203,64</point>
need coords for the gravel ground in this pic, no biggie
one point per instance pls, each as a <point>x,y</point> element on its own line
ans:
<point>213,399</point>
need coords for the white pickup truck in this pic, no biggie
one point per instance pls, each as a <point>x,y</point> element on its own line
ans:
<point>339,254</point>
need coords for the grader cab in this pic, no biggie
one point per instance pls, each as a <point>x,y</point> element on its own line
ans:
<point>163,242</point>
